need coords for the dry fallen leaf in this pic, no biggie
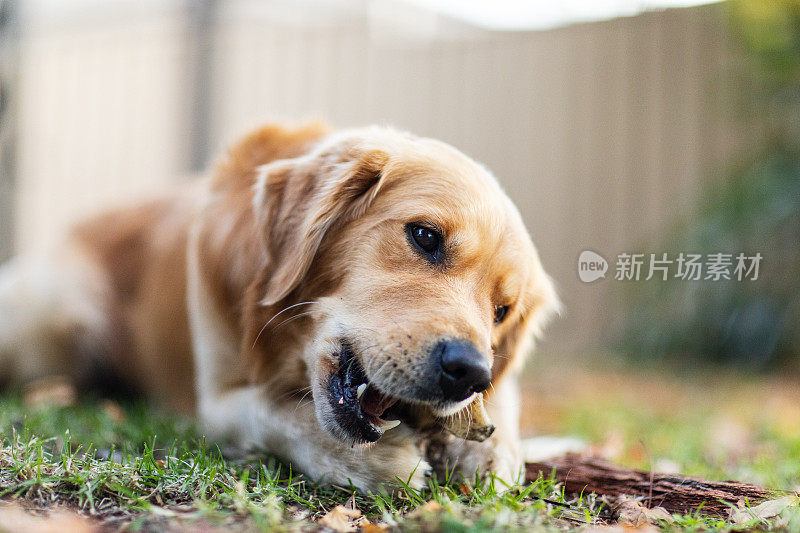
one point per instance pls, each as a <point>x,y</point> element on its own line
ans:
<point>426,508</point>
<point>632,512</point>
<point>342,520</point>
<point>621,529</point>
<point>53,391</point>
<point>373,528</point>
<point>114,411</point>
<point>14,519</point>
<point>764,510</point>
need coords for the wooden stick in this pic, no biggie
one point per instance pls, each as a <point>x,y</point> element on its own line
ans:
<point>675,493</point>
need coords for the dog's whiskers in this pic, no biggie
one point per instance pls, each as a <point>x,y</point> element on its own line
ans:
<point>295,317</point>
<point>377,375</point>
<point>296,407</point>
<point>279,313</point>
<point>293,392</point>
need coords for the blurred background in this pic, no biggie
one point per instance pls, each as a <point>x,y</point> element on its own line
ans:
<point>616,126</point>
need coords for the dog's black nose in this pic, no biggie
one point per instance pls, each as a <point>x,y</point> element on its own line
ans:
<point>463,369</point>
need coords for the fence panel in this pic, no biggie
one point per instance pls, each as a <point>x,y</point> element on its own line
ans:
<point>602,133</point>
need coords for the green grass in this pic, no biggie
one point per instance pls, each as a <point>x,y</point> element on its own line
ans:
<point>141,469</point>
<point>150,468</point>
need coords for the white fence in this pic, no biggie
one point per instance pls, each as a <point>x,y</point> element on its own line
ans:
<point>603,133</point>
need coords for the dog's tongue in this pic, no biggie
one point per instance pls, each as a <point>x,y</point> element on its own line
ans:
<point>374,403</point>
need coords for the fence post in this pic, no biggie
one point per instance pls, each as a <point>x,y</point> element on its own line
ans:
<point>202,18</point>
<point>9,101</point>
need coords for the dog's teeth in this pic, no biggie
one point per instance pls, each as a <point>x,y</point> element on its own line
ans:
<point>386,425</point>
<point>360,390</point>
<point>341,400</point>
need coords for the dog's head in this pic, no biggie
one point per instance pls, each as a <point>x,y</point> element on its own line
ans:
<point>416,279</point>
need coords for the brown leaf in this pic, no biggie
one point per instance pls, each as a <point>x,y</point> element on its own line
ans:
<point>351,502</point>
<point>764,510</point>
<point>631,512</point>
<point>114,411</point>
<point>341,519</point>
<point>53,391</point>
<point>620,529</point>
<point>426,508</point>
<point>14,519</point>
<point>373,528</point>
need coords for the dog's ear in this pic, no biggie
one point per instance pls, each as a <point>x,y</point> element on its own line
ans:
<point>299,200</point>
<point>516,342</point>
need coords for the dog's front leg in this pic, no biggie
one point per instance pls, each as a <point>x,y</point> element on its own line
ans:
<point>292,432</point>
<point>250,417</point>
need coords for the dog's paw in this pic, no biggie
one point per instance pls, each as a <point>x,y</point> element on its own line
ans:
<point>508,469</point>
<point>419,477</point>
<point>503,461</point>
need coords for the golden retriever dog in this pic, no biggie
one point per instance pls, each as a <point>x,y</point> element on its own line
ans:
<point>357,302</point>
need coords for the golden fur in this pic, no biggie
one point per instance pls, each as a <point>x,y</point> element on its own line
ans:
<point>236,296</point>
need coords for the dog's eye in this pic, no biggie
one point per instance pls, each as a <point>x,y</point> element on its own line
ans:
<point>426,240</point>
<point>500,313</point>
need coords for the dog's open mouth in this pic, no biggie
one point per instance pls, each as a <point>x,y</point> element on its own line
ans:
<point>360,409</point>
